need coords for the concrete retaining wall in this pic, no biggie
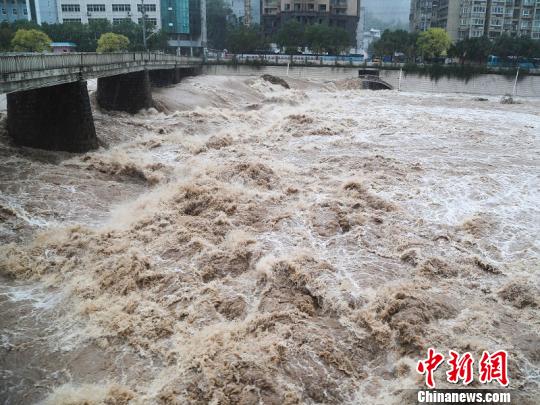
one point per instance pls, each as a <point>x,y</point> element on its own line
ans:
<point>496,85</point>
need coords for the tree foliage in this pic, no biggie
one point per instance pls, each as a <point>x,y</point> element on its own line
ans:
<point>111,42</point>
<point>472,49</point>
<point>393,42</point>
<point>322,38</point>
<point>291,36</point>
<point>243,39</point>
<point>433,43</point>
<point>217,22</point>
<point>86,36</point>
<point>30,40</point>
<point>477,50</point>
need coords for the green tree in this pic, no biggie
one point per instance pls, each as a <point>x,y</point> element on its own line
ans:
<point>392,42</point>
<point>339,41</point>
<point>217,16</point>
<point>474,50</point>
<point>242,39</point>
<point>433,43</point>
<point>72,32</point>
<point>158,41</point>
<point>30,40</point>
<point>6,35</point>
<point>318,37</point>
<point>322,38</point>
<point>291,36</point>
<point>111,42</point>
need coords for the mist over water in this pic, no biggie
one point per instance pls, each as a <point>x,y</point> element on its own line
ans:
<point>249,244</point>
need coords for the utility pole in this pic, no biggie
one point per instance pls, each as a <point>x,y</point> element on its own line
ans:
<point>247,13</point>
<point>515,82</point>
<point>203,28</point>
<point>143,10</point>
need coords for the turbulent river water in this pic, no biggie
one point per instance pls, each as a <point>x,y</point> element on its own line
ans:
<point>251,244</point>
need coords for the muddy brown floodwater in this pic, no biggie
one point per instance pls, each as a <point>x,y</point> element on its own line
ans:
<point>251,244</point>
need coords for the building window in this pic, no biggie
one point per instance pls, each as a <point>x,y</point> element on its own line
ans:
<point>71,8</point>
<point>150,22</point>
<point>311,6</point>
<point>121,7</point>
<point>71,20</point>
<point>296,6</point>
<point>287,7</point>
<point>25,11</point>
<point>95,7</point>
<point>322,7</point>
<point>526,13</point>
<point>117,21</point>
<point>14,11</point>
<point>147,7</point>
<point>97,20</point>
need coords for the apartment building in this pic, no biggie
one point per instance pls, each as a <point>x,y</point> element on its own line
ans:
<point>475,18</point>
<point>14,10</point>
<point>39,11</point>
<point>115,11</point>
<point>340,13</point>
<point>422,14</point>
<point>247,11</point>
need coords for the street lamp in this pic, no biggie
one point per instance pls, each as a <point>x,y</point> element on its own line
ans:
<point>203,28</point>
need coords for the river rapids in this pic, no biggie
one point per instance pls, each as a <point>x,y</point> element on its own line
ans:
<point>244,243</point>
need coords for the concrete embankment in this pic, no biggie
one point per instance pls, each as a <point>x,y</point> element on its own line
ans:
<point>489,84</point>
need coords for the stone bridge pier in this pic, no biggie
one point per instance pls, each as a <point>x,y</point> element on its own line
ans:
<point>166,77</point>
<point>54,118</point>
<point>128,92</point>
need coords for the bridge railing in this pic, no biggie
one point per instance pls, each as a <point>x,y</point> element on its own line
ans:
<point>33,62</point>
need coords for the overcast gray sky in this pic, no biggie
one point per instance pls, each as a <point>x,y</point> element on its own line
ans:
<point>388,10</point>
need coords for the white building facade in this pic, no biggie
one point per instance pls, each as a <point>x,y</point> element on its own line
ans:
<point>115,11</point>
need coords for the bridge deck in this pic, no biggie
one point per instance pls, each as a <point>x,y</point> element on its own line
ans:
<point>30,71</point>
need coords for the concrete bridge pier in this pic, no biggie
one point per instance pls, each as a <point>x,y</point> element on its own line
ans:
<point>54,118</point>
<point>163,77</point>
<point>128,92</point>
<point>166,77</point>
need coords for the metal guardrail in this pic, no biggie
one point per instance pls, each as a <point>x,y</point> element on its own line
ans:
<point>36,62</point>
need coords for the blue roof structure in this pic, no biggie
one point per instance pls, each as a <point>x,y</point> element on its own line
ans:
<point>70,44</point>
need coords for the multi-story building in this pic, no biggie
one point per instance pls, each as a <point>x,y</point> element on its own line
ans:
<point>476,18</point>
<point>39,11</point>
<point>182,22</point>
<point>340,13</point>
<point>247,11</point>
<point>422,14</point>
<point>115,11</point>
<point>14,10</point>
